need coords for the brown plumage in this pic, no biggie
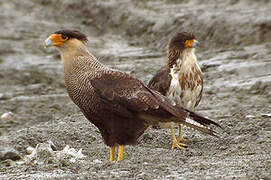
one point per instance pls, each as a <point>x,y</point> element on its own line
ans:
<point>119,105</point>
<point>182,63</point>
<point>181,78</point>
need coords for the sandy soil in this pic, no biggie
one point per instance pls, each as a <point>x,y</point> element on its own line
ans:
<point>235,56</point>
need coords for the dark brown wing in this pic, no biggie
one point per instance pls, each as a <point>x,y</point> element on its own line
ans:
<point>161,81</point>
<point>199,81</point>
<point>130,93</point>
<point>200,96</point>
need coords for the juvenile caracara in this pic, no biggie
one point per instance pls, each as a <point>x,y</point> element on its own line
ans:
<point>119,105</point>
<point>180,79</point>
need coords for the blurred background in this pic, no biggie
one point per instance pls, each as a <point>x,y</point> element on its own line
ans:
<point>132,36</point>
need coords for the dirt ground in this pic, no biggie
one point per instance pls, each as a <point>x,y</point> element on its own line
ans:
<point>235,56</point>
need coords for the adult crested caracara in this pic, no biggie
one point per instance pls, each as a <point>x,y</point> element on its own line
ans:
<point>180,79</point>
<point>119,105</point>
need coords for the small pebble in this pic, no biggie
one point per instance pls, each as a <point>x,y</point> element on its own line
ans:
<point>4,96</point>
<point>7,116</point>
<point>29,150</point>
<point>11,155</point>
<point>250,116</point>
<point>97,161</point>
<point>53,146</point>
<point>266,115</point>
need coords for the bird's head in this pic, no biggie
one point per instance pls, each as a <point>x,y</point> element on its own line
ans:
<point>62,38</point>
<point>183,40</point>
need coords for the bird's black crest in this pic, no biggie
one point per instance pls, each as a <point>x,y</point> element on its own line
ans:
<point>73,34</point>
<point>179,39</point>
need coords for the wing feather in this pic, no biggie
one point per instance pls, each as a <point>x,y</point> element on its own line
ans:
<point>131,94</point>
<point>173,56</point>
<point>161,81</point>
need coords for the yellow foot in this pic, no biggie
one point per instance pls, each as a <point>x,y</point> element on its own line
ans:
<point>180,146</point>
<point>112,153</point>
<point>120,152</point>
<point>175,143</point>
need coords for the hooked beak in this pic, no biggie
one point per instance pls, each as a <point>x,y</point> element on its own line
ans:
<point>195,43</point>
<point>48,42</point>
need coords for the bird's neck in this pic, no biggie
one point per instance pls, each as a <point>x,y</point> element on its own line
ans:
<point>75,56</point>
<point>178,57</point>
<point>189,57</point>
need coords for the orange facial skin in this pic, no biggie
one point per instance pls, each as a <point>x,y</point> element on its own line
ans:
<point>58,39</point>
<point>189,43</point>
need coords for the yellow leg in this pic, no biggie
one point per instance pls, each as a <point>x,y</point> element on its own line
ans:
<point>120,152</point>
<point>180,137</point>
<point>112,153</point>
<point>175,143</point>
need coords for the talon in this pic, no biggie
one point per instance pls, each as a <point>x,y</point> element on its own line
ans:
<point>180,146</point>
<point>175,143</point>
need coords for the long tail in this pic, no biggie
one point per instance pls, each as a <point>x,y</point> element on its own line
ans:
<point>202,120</point>
<point>203,127</point>
<point>179,115</point>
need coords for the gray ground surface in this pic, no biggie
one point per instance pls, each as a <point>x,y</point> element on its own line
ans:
<point>235,56</point>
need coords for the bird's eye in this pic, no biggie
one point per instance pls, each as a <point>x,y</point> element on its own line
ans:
<point>64,36</point>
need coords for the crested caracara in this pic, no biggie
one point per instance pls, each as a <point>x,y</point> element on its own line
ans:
<point>119,105</point>
<point>180,79</point>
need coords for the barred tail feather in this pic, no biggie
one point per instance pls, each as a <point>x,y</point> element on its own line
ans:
<point>202,120</point>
